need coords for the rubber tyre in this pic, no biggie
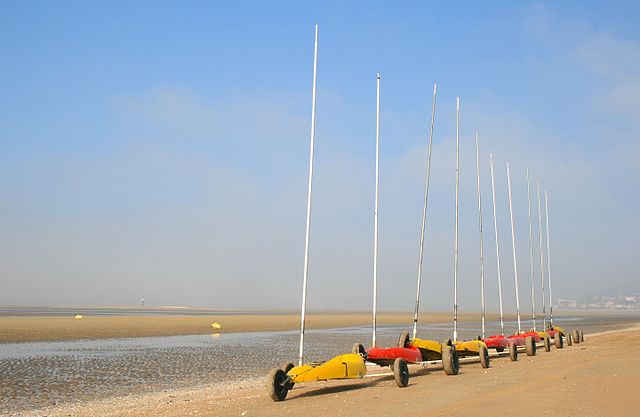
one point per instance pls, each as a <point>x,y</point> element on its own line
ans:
<point>358,349</point>
<point>513,352</point>
<point>557,339</point>
<point>576,336</point>
<point>401,372</point>
<point>450,361</point>
<point>530,346</point>
<point>581,336</point>
<point>404,339</point>
<point>547,344</point>
<point>277,385</point>
<point>484,357</point>
<point>286,367</point>
<point>569,339</point>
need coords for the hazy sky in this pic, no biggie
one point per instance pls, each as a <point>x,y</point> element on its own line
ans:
<point>160,149</point>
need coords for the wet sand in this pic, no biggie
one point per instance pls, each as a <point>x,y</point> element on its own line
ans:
<point>30,329</point>
<point>596,378</point>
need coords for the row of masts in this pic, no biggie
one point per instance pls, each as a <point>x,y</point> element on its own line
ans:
<point>424,222</point>
<point>497,241</point>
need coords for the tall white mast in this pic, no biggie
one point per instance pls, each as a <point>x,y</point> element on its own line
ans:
<point>424,211</point>
<point>546,209</point>
<point>481,239</point>
<point>308,225</point>
<point>375,214</point>
<point>531,271</point>
<point>544,312</point>
<point>513,243</point>
<point>495,224</point>
<point>455,244</point>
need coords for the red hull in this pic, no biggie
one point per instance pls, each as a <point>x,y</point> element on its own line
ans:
<point>518,339</point>
<point>386,356</point>
<point>497,342</point>
<point>551,332</point>
<point>534,335</point>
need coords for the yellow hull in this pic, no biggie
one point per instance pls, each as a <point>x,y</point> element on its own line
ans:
<point>469,348</point>
<point>430,349</point>
<point>543,335</point>
<point>561,330</point>
<point>348,366</point>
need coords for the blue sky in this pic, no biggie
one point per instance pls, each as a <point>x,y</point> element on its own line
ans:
<point>160,148</point>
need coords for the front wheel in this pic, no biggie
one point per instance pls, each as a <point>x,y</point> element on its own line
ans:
<point>286,367</point>
<point>557,338</point>
<point>576,336</point>
<point>450,362</point>
<point>484,357</point>
<point>547,344</point>
<point>530,346</point>
<point>403,341</point>
<point>513,352</point>
<point>581,336</point>
<point>277,384</point>
<point>358,349</point>
<point>401,372</point>
<point>569,339</point>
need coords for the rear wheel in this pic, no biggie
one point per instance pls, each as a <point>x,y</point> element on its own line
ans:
<point>557,338</point>
<point>547,344</point>
<point>277,384</point>
<point>569,339</point>
<point>450,362</point>
<point>484,356</point>
<point>401,372</point>
<point>513,352</point>
<point>581,336</point>
<point>403,341</point>
<point>576,336</point>
<point>530,346</point>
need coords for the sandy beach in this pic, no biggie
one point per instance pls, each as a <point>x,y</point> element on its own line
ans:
<point>29,329</point>
<point>595,378</point>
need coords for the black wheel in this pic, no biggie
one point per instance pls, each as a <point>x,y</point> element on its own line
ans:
<point>569,339</point>
<point>484,356</point>
<point>447,342</point>
<point>513,352</point>
<point>450,362</point>
<point>547,344</point>
<point>576,336</point>
<point>401,372</point>
<point>277,384</point>
<point>557,338</point>
<point>530,346</point>
<point>286,367</point>
<point>403,341</point>
<point>358,349</point>
<point>581,336</point>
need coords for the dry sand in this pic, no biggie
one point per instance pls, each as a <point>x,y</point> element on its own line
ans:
<point>29,329</point>
<point>597,378</point>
